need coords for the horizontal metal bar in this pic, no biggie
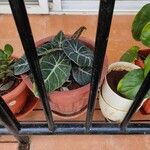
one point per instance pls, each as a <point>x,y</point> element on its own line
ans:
<point>76,128</point>
<point>8,119</point>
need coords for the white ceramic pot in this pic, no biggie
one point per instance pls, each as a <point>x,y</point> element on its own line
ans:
<point>113,106</point>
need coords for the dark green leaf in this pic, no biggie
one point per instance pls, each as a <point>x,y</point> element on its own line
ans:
<point>78,53</point>
<point>55,69</point>
<point>141,19</point>
<point>21,66</point>
<point>8,50</point>
<point>130,83</point>
<point>82,75</point>
<point>58,40</point>
<point>146,65</point>
<point>145,35</point>
<point>130,55</point>
<point>46,48</point>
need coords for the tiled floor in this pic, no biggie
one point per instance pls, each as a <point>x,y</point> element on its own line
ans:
<point>120,40</point>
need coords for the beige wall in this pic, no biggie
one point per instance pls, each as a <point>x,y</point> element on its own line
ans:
<point>46,25</point>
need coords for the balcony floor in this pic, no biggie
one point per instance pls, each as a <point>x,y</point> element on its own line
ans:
<point>120,40</point>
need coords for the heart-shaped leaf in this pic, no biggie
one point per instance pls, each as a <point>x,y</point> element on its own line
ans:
<point>82,75</point>
<point>78,52</point>
<point>21,66</point>
<point>130,83</point>
<point>130,55</point>
<point>8,50</point>
<point>47,48</point>
<point>146,65</point>
<point>145,35</point>
<point>55,69</point>
<point>58,40</point>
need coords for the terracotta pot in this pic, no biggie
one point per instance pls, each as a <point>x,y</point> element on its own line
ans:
<point>71,102</point>
<point>146,107</point>
<point>113,106</point>
<point>16,99</point>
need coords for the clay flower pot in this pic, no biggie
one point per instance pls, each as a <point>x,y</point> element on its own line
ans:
<point>113,106</point>
<point>72,102</point>
<point>16,99</point>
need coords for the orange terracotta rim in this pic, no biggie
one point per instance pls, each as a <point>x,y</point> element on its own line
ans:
<point>70,116</point>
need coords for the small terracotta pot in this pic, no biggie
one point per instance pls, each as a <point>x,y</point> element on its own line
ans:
<point>68,103</point>
<point>16,99</point>
<point>113,106</point>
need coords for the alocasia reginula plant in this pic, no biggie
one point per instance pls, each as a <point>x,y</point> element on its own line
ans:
<point>60,58</point>
<point>131,82</point>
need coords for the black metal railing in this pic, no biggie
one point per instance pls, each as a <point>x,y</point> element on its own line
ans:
<point>22,130</point>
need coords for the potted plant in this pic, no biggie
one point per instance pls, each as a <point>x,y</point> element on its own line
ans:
<point>12,89</point>
<point>140,32</point>
<point>124,79</point>
<point>66,65</point>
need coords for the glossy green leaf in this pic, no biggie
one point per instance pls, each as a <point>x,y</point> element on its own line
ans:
<point>58,40</point>
<point>82,75</point>
<point>78,53</point>
<point>21,66</point>
<point>146,65</point>
<point>8,50</point>
<point>130,55</point>
<point>55,69</point>
<point>141,19</point>
<point>130,83</point>
<point>46,49</point>
<point>145,35</point>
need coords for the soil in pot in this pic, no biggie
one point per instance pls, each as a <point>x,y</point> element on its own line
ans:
<point>15,96</point>
<point>113,78</point>
<point>14,85</point>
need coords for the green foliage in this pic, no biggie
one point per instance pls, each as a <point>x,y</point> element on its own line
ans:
<point>130,55</point>
<point>140,20</point>
<point>131,82</point>
<point>78,53</point>
<point>146,65</point>
<point>55,69</point>
<point>56,59</point>
<point>82,75</point>
<point>6,68</point>
<point>145,35</point>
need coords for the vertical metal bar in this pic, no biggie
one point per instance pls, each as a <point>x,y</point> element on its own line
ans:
<point>103,28</point>
<point>9,121</point>
<point>138,100</point>
<point>23,26</point>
